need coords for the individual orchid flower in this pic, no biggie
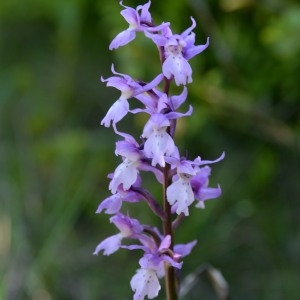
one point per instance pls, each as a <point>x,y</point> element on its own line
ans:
<point>129,228</point>
<point>134,161</point>
<point>113,203</point>
<point>159,143</point>
<point>127,172</point>
<point>179,48</point>
<point>146,280</point>
<point>129,88</point>
<point>180,193</point>
<point>139,19</point>
<point>159,102</point>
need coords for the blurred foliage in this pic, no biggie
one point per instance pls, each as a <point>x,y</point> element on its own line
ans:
<point>54,156</point>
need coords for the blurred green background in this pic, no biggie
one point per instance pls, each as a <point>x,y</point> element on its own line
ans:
<point>54,156</point>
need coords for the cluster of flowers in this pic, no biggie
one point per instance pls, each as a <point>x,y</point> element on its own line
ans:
<point>157,152</point>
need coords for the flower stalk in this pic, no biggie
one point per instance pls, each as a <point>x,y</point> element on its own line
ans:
<point>183,181</point>
<point>170,278</point>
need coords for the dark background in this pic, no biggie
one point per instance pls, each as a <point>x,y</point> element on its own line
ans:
<point>54,156</point>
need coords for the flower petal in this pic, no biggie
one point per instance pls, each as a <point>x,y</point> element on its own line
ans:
<point>145,283</point>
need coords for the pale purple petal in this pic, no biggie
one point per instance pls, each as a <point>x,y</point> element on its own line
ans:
<point>116,112</point>
<point>201,179</point>
<point>131,16</point>
<point>109,245</point>
<point>193,51</point>
<point>176,115</point>
<point>185,249</point>
<point>145,283</point>
<point>165,243</point>
<point>127,149</point>
<point>171,261</point>
<point>158,39</point>
<point>205,162</point>
<point>189,42</point>
<point>158,145</point>
<point>126,174</point>
<point>176,101</point>
<point>129,138</point>
<point>207,193</point>
<point>119,83</point>
<point>128,226</point>
<point>177,66</point>
<point>189,30</point>
<point>180,193</point>
<point>145,15</point>
<point>161,27</point>
<point>111,204</point>
<point>155,82</point>
<point>123,38</point>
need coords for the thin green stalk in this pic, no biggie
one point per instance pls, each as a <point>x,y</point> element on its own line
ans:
<point>170,279</point>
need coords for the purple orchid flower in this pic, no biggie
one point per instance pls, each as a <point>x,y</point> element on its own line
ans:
<point>146,280</point>
<point>159,142</point>
<point>183,181</point>
<point>179,48</point>
<point>139,19</point>
<point>127,172</point>
<point>158,102</point>
<point>129,228</point>
<point>180,193</point>
<point>129,88</point>
<point>113,203</point>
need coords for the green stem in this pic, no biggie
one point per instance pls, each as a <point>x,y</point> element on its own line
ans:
<point>170,279</point>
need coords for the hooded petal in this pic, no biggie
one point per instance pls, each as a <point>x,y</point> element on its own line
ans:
<point>131,16</point>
